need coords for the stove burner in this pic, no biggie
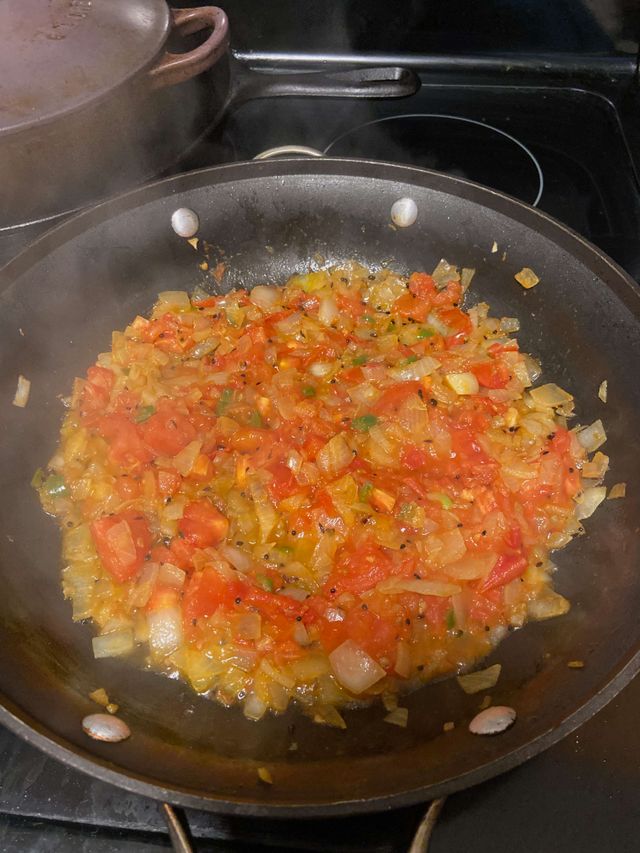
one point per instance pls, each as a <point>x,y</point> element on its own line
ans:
<point>455,145</point>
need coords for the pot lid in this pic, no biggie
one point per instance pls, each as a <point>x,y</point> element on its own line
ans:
<point>57,56</point>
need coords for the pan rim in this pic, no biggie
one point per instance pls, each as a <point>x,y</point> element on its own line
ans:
<point>618,282</point>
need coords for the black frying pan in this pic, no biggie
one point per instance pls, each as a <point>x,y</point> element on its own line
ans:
<point>71,288</point>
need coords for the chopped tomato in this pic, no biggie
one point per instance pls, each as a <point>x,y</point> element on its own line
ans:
<point>282,482</point>
<point>122,542</point>
<point>360,569</point>
<point>202,524</point>
<point>409,307</point>
<point>491,374</point>
<point>167,432</point>
<point>168,481</point>
<point>205,592</point>
<point>506,569</point>
<point>126,447</point>
<point>392,398</point>
<point>414,457</point>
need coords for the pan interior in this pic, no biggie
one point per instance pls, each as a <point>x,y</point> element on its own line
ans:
<point>265,221</point>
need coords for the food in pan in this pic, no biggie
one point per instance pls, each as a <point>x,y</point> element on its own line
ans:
<point>324,492</point>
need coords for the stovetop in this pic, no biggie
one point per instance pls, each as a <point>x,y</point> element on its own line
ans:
<point>577,146</point>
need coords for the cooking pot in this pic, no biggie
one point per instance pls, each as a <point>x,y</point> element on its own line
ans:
<point>95,98</point>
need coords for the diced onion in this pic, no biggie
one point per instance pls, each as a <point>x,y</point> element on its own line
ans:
<point>466,275</point>
<point>265,296</point>
<point>113,644</point>
<point>170,575</point>
<point>335,455</point>
<point>589,501</point>
<point>294,592</point>
<point>415,370</point>
<point>592,437</point>
<point>165,630</point>
<point>617,491</point>
<point>403,659</point>
<point>548,606</point>
<point>597,467</point>
<point>471,566</point>
<point>300,634</point>
<point>238,559</point>
<point>395,586</point>
<point>602,391</point>
<point>174,510</point>
<point>328,310</point>
<point>354,668</point>
<point>509,324</point>
<point>527,278</point>
<point>320,368</point>
<point>254,709</point>
<point>248,626</point>
<point>533,367</point>
<point>550,395</point>
<point>483,679</point>
<point>398,717</point>
<point>444,273</point>
<point>463,383</point>
<point>185,460</point>
<point>21,397</point>
<point>141,593</point>
<point>172,299</point>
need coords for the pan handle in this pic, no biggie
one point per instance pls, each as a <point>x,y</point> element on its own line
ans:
<point>175,68</point>
<point>393,82</point>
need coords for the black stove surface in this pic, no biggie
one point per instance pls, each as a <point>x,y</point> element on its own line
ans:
<point>582,794</point>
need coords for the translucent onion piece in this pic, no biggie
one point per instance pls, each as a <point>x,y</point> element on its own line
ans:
<point>527,278</point>
<point>141,593</point>
<point>21,397</point>
<point>172,299</point>
<point>238,559</point>
<point>550,396</point>
<point>328,310</point>
<point>354,668</point>
<point>113,644</point>
<point>463,383</point>
<point>165,630</point>
<point>444,273</point>
<point>589,501</point>
<point>170,575</point>
<point>466,276</point>
<point>602,391</point>
<point>184,461</point>
<point>335,455</point>
<point>398,717</point>
<point>265,296</point>
<point>437,588</point>
<point>416,370</point>
<point>592,437</point>
<point>597,467</point>
<point>548,606</point>
<point>617,491</point>
<point>483,679</point>
<point>320,369</point>
<point>254,709</point>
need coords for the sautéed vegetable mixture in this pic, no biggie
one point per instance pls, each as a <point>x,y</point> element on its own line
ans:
<point>322,492</point>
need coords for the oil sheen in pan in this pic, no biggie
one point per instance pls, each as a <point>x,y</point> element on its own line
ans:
<point>458,146</point>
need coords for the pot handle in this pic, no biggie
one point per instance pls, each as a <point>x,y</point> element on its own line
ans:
<point>385,82</point>
<point>175,68</point>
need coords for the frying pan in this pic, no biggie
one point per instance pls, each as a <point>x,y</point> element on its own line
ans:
<point>59,302</point>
